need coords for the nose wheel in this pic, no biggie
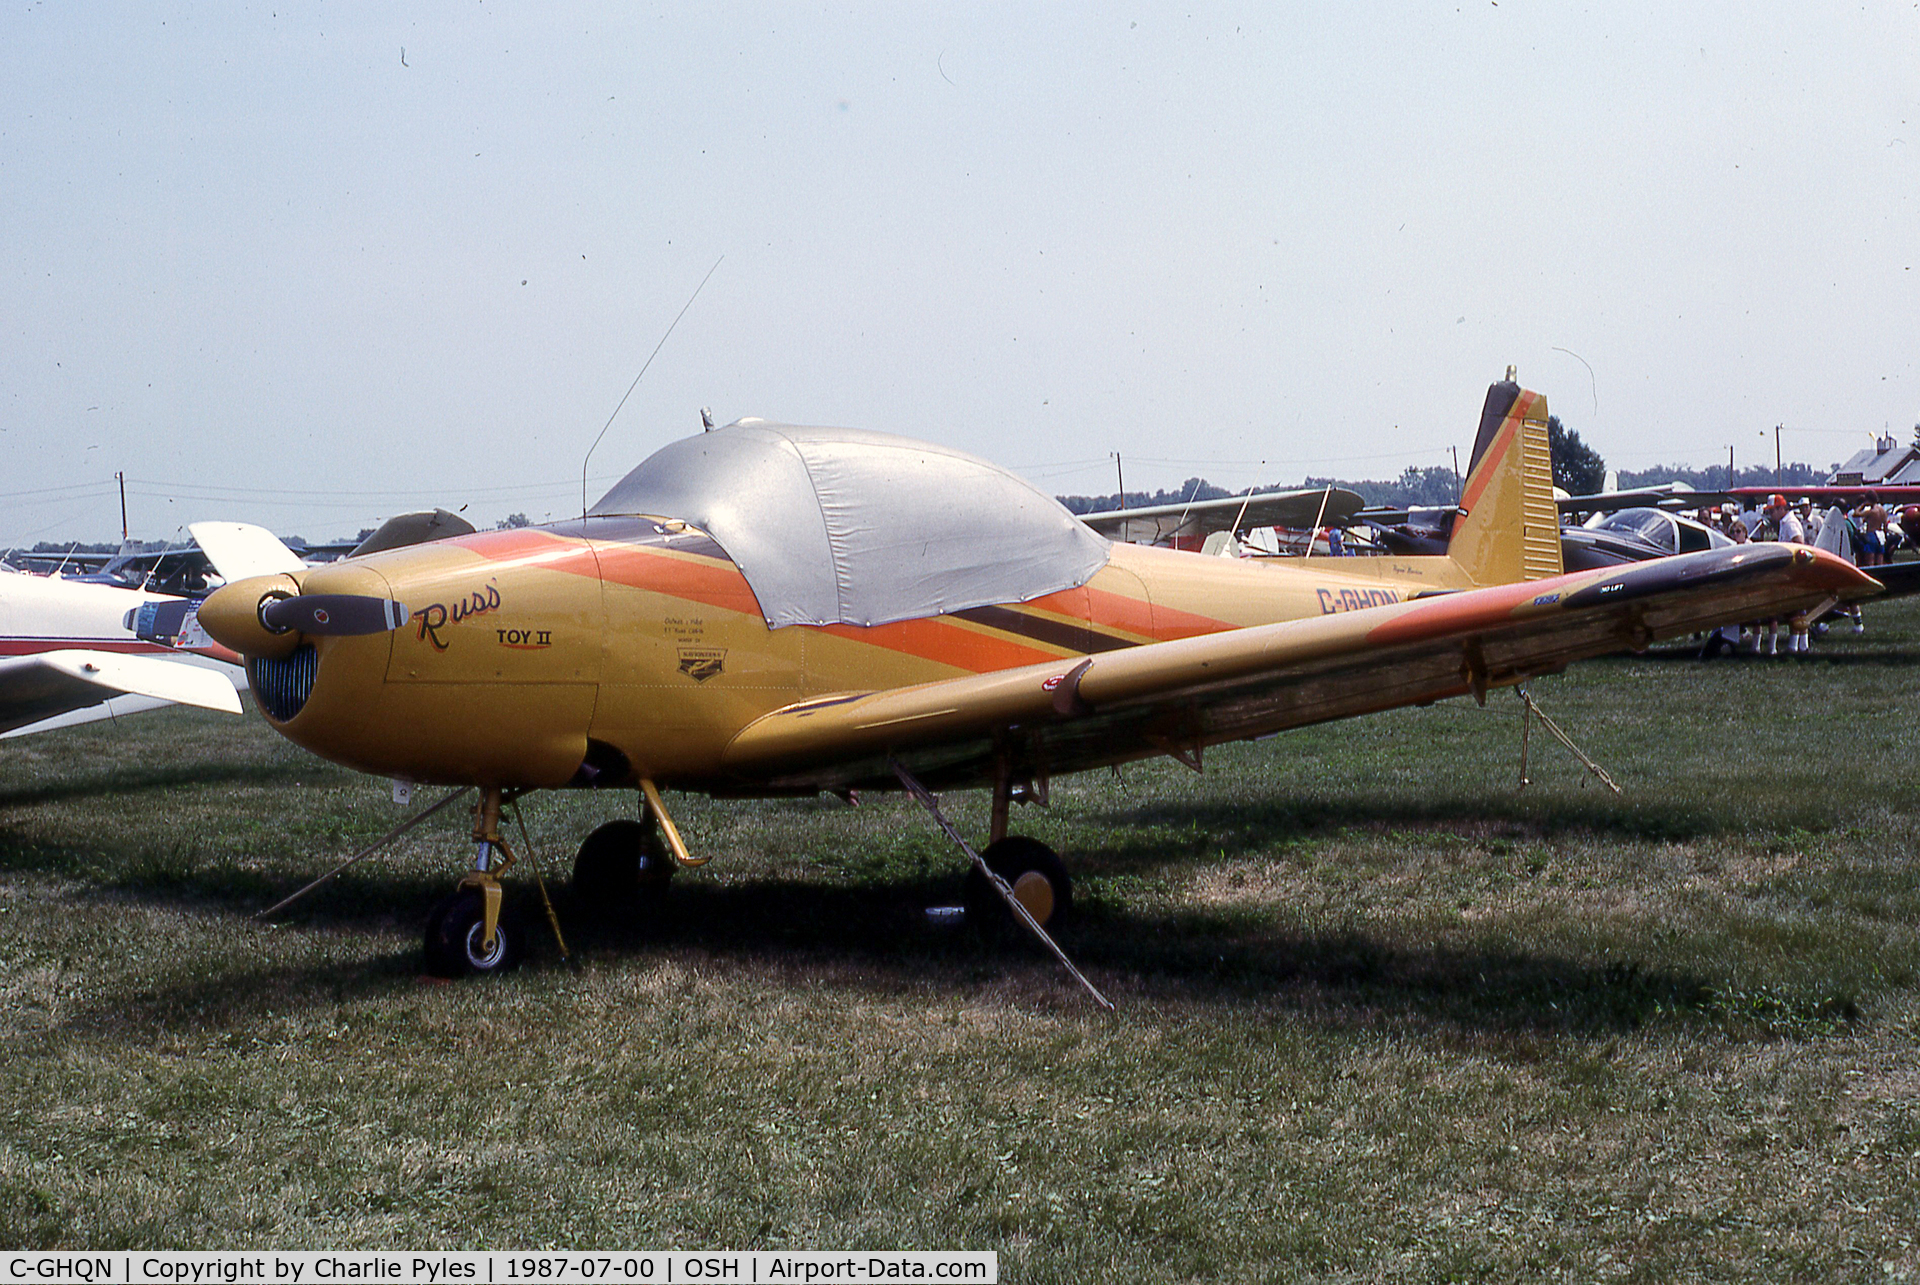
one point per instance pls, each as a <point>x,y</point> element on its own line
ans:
<point>456,938</point>
<point>467,933</point>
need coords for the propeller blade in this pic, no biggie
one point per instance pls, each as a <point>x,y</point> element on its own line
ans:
<point>337,614</point>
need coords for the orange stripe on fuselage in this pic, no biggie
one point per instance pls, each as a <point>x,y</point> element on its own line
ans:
<point>530,547</point>
<point>1153,621</point>
<point>720,584</point>
<point>689,576</point>
<point>949,642</point>
<point>1503,441</point>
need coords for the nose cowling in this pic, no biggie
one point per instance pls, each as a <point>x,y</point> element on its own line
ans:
<point>231,616</point>
<point>282,616</point>
<point>475,660</point>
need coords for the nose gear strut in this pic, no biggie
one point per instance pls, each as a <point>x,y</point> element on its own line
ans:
<point>466,933</point>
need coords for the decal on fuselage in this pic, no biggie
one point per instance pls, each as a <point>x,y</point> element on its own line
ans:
<point>525,639</point>
<point>438,616</point>
<point>1337,600</point>
<point>702,663</point>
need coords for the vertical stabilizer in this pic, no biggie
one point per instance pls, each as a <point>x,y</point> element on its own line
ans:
<point>1510,530</point>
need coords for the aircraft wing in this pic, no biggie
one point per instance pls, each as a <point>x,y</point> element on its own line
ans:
<point>49,563</point>
<point>241,549</point>
<point>1321,506</point>
<point>1178,697</point>
<point>1902,579</point>
<point>1669,495</point>
<point>49,683</point>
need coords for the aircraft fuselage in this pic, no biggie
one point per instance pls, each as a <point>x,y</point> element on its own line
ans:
<point>620,647</point>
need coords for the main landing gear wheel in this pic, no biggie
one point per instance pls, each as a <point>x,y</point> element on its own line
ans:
<point>1034,871</point>
<point>456,938</point>
<point>622,865</point>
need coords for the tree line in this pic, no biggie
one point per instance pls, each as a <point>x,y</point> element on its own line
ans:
<point>1578,469</point>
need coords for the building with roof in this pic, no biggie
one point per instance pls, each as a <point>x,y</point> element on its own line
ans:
<point>1888,463</point>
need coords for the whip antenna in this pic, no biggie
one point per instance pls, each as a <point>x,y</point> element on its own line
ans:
<point>636,381</point>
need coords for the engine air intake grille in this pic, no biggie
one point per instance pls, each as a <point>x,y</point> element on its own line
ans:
<point>282,686</point>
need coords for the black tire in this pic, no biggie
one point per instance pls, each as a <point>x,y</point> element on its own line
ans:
<point>454,934</point>
<point>1038,877</point>
<point>622,865</point>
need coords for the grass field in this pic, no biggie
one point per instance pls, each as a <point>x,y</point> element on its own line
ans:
<point>1382,1013</point>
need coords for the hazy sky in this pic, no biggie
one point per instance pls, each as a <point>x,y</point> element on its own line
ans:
<point>274,272</point>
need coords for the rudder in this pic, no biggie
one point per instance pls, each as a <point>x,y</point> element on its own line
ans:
<point>1510,527</point>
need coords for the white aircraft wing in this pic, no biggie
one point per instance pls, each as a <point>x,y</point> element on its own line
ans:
<point>51,683</point>
<point>1318,506</point>
<point>240,549</point>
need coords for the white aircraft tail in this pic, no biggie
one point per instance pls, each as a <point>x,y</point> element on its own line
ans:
<point>240,549</point>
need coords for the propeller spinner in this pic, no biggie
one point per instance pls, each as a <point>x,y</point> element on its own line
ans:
<point>267,616</point>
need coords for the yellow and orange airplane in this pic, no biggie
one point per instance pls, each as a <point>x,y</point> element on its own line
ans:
<point>766,609</point>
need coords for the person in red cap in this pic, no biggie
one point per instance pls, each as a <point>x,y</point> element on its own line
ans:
<point>1780,523</point>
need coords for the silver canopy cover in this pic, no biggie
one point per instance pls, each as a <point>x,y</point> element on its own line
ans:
<point>843,526</point>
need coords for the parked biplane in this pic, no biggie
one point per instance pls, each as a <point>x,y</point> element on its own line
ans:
<point>765,610</point>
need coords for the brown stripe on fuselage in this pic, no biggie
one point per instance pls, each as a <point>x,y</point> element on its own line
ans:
<point>689,564</point>
<point>1069,635</point>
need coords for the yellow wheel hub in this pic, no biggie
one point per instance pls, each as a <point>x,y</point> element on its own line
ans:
<point>1034,891</point>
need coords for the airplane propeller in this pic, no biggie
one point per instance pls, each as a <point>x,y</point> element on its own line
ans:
<point>336,614</point>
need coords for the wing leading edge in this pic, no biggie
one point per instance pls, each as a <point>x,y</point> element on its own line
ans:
<point>50,683</point>
<point>1178,697</point>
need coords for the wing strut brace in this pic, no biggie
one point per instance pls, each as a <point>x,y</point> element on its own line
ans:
<point>366,852</point>
<point>927,801</point>
<point>1531,711</point>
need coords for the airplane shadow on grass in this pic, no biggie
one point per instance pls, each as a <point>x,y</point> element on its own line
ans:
<point>876,938</point>
<point>140,778</point>
<point>1136,837</point>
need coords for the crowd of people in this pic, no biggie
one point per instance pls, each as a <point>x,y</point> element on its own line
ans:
<point>1864,535</point>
